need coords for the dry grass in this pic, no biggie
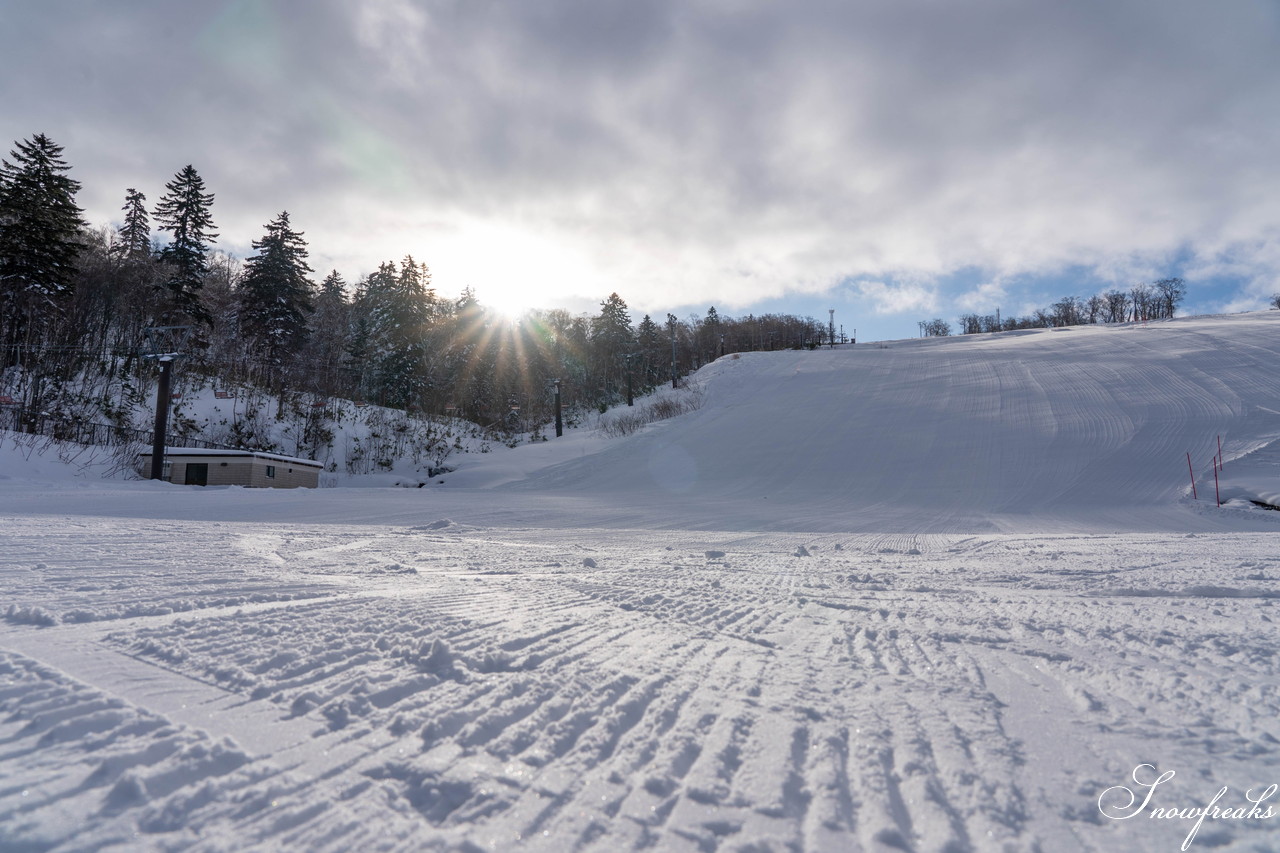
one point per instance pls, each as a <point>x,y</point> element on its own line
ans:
<point>625,422</point>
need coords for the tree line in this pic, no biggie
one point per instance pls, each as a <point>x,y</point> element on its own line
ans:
<point>1157,300</point>
<point>76,302</point>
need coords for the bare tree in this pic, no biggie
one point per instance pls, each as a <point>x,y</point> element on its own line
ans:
<point>1066,311</point>
<point>1170,293</point>
<point>1095,308</point>
<point>1117,306</point>
<point>1140,301</point>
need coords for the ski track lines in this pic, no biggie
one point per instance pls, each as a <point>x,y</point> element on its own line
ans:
<point>991,431</point>
<point>467,691</point>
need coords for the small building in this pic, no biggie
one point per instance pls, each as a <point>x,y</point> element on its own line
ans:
<point>254,468</point>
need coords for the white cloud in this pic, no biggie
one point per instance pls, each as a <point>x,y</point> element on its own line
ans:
<point>984,298</point>
<point>685,151</point>
<point>898,298</point>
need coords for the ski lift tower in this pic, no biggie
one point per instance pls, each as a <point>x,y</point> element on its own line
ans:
<point>164,346</point>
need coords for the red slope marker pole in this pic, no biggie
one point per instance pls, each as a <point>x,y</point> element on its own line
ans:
<point>1216,494</point>
<point>1194,497</point>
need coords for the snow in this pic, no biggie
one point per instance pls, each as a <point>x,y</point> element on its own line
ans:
<point>261,454</point>
<point>926,595</point>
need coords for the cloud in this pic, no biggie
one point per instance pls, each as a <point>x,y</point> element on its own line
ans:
<point>685,151</point>
<point>898,298</point>
<point>980,299</point>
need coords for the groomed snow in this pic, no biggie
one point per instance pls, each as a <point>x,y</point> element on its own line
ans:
<point>925,595</point>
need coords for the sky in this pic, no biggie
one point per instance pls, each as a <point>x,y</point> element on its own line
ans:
<point>894,160</point>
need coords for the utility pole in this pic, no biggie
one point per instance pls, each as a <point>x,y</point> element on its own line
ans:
<point>671,321</point>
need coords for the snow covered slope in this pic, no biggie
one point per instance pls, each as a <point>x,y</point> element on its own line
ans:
<point>1083,428</point>
<point>862,600</point>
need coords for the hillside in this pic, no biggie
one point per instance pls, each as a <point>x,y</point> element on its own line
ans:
<point>1076,429</point>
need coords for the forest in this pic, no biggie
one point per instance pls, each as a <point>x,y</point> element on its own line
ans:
<point>82,307</point>
<point>1158,300</point>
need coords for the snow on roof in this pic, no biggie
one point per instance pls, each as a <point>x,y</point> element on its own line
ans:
<point>260,454</point>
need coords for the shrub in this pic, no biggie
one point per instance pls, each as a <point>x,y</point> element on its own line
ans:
<point>683,401</point>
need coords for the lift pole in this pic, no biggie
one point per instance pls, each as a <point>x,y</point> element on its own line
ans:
<point>671,321</point>
<point>163,344</point>
<point>162,418</point>
<point>559,420</point>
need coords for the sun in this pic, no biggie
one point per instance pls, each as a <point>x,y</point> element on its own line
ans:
<point>510,306</point>
<point>510,269</point>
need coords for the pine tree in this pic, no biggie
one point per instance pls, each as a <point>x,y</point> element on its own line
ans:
<point>134,235</point>
<point>184,212</point>
<point>469,360</point>
<point>40,227</point>
<point>612,327</point>
<point>711,331</point>
<point>394,312</point>
<point>329,331</point>
<point>415,296</point>
<point>650,343</point>
<point>275,294</point>
<point>611,339</point>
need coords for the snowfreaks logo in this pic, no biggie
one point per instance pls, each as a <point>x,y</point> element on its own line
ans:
<point>1122,803</point>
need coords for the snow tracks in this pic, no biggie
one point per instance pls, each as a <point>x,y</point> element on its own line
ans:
<point>459,689</point>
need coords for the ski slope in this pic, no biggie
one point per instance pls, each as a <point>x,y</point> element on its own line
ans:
<point>1070,429</point>
<point>936,595</point>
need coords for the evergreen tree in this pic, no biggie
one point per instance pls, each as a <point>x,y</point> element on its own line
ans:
<point>185,212</point>
<point>395,309</point>
<point>40,227</point>
<point>329,332</point>
<point>613,322</point>
<point>415,296</point>
<point>470,361</point>
<point>611,340</point>
<point>134,235</point>
<point>275,294</point>
<point>711,331</point>
<point>649,341</point>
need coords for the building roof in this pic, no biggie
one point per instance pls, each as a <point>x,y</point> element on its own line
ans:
<point>251,454</point>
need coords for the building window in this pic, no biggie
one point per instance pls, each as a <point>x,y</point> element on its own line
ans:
<point>271,472</point>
